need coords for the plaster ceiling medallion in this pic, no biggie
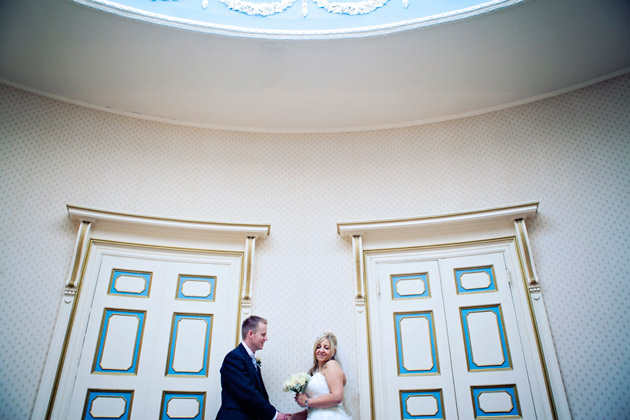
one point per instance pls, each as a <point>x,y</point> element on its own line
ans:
<point>290,18</point>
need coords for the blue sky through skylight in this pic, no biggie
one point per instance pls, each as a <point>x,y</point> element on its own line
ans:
<point>300,16</point>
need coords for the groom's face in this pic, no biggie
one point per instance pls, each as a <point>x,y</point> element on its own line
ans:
<point>258,337</point>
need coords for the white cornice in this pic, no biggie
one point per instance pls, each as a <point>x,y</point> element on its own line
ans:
<point>131,220</point>
<point>464,220</point>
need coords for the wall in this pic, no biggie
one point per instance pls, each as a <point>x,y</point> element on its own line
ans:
<point>570,152</point>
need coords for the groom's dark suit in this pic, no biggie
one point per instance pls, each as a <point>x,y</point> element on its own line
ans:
<point>243,393</point>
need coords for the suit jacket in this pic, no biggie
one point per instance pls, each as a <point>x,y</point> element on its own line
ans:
<point>243,393</point>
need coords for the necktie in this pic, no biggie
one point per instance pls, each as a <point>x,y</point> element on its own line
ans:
<point>254,361</point>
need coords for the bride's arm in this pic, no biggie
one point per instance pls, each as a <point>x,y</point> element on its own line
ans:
<point>335,379</point>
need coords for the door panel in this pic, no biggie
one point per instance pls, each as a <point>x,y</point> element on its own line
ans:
<point>448,342</point>
<point>158,329</point>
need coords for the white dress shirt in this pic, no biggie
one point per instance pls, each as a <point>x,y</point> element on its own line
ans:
<point>253,356</point>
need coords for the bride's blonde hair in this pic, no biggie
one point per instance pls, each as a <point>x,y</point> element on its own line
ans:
<point>333,349</point>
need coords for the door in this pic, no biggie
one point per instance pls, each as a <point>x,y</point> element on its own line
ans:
<point>415,346</point>
<point>449,339</point>
<point>159,326</point>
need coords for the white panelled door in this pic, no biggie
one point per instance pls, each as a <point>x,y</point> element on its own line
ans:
<point>488,363</point>
<point>447,344</point>
<point>159,326</point>
<point>415,342</point>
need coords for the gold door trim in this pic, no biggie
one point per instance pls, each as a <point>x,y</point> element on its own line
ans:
<point>527,266</point>
<point>74,284</point>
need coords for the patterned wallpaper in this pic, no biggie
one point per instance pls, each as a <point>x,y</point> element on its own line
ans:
<point>571,152</point>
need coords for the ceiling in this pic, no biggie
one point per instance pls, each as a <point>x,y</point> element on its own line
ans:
<point>275,83</point>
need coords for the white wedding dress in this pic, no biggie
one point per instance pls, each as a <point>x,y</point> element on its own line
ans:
<point>318,386</point>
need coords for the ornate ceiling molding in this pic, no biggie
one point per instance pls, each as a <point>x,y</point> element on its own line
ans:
<point>408,18</point>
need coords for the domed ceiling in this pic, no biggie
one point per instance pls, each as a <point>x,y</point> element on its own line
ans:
<point>309,65</point>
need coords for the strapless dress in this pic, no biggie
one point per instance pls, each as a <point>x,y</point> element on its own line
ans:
<point>318,386</point>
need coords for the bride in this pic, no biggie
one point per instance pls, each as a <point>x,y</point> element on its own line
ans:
<point>323,396</point>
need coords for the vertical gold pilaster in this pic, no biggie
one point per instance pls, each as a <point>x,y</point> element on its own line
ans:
<point>362,309</point>
<point>246,292</point>
<point>357,247</point>
<point>524,248</point>
<point>249,263</point>
<point>533,286</point>
<point>77,262</point>
<point>73,283</point>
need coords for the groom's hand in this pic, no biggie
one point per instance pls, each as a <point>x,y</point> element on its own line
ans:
<point>283,416</point>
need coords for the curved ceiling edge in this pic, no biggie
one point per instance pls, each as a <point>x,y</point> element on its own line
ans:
<point>218,29</point>
<point>404,124</point>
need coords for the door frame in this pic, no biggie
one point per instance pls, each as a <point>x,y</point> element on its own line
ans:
<point>231,241</point>
<point>441,235</point>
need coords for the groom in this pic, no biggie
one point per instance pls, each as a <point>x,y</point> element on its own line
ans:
<point>243,393</point>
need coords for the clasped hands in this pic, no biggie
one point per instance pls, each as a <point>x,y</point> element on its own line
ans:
<point>300,399</point>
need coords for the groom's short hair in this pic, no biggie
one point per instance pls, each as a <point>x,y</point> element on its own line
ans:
<point>251,324</point>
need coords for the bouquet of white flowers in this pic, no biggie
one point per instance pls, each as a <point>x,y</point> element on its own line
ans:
<point>296,383</point>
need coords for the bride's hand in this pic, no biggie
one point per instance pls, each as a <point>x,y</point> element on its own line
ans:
<point>300,399</point>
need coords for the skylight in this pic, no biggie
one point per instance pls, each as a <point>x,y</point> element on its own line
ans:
<point>298,18</point>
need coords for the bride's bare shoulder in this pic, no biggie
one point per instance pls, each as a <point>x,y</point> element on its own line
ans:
<point>333,371</point>
<point>333,364</point>
<point>333,367</point>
